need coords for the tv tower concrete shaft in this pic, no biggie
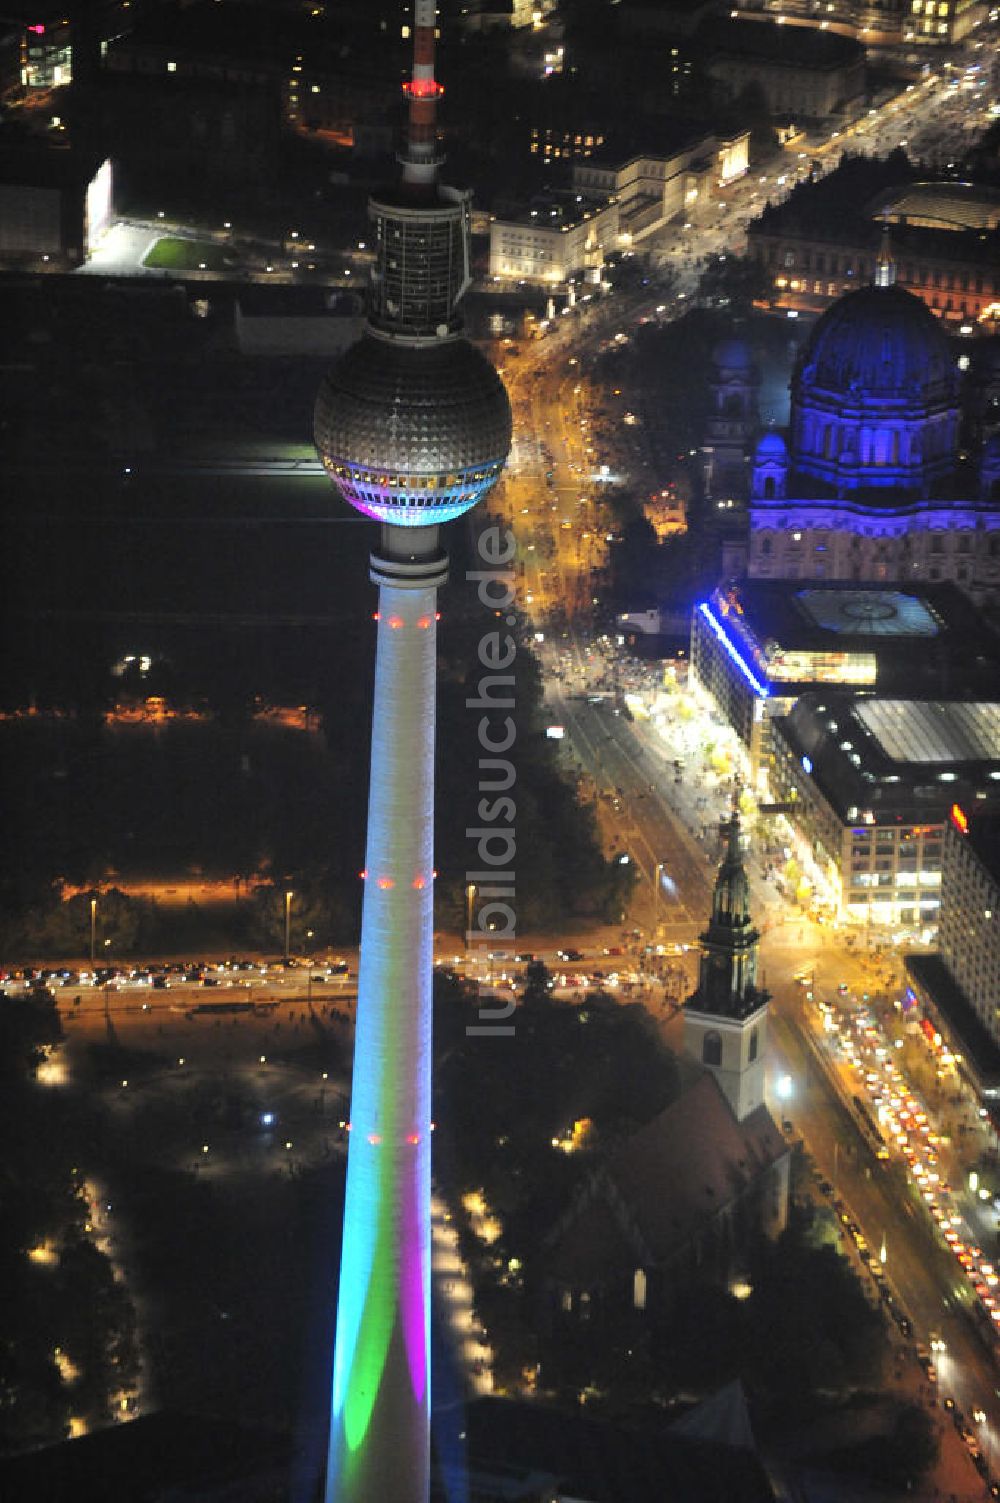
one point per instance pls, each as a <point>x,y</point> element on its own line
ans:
<point>379,1435</point>
<point>413,425</point>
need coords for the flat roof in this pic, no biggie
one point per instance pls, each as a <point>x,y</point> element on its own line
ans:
<point>842,615</point>
<point>663,140</point>
<point>920,640</point>
<point>984,837</point>
<point>783,46</point>
<point>31,164</point>
<point>961,206</point>
<point>560,209</point>
<point>930,732</point>
<point>895,760</point>
<point>879,613</point>
<point>845,208</point>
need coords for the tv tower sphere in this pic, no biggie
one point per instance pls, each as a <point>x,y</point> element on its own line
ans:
<point>413,432</point>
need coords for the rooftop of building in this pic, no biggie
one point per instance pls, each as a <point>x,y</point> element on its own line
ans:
<point>932,732</point>
<point>785,46</point>
<point>680,7</point>
<point>844,208</point>
<point>288,300</point>
<point>159,1454</point>
<point>776,621</point>
<point>884,761</point>
<point>30,164</point>
<point>269,36</point>
<point>982,831</point>
<point>946,205</point>
<point>598,1460</point>
<point>557,209</point>
<point>662,139</point>
<point>658,1190</point>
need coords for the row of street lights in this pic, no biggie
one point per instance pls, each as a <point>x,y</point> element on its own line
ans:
<point>289,895</point>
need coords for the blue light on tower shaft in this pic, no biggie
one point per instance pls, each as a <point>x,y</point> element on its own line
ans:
<point>413,425</point>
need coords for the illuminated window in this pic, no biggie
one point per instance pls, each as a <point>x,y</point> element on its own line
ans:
<point>171,67</point>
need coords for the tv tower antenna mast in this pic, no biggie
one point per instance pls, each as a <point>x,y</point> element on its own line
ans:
<point>413,426</point>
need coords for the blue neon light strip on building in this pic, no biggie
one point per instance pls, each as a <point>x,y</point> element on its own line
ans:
<point>750,677</point>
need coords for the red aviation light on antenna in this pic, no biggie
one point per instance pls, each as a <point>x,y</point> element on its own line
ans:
<point>960,819</point>
<point>423,88</point>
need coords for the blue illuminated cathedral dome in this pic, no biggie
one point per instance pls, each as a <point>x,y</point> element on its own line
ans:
<point>875,396</point>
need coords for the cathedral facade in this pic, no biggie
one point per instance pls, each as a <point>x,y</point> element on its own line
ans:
<point>891,468</point>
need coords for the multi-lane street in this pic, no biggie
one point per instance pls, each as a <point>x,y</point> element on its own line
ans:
<point>663,816</point>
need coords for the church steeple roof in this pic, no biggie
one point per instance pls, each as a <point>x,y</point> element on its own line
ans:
<point>727,983</point>
<point>731,899</point>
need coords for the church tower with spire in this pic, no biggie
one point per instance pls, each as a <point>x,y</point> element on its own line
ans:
<point>725,1018</point>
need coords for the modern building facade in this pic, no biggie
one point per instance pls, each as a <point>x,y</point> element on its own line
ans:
<point>757,646</point>
<point>969,927</point>
<point>825,243</point>
<point>556,238</point>
<point>413,425</point>
<point>873,782</point>
<point>55,206</point>
<point>614,203</point>
<point>878,24</point>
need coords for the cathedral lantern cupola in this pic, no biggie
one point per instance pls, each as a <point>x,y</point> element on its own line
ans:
<point>885,264</point>
<point>769,480</point>
<point>725,1018</point>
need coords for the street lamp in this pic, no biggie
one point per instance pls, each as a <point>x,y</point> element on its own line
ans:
<point>93,931</point>
<point>470,900</point>
<point>657,872</point>
<point>288,921</point>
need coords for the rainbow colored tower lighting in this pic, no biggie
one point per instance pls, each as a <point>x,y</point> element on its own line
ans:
<point>413,425</point>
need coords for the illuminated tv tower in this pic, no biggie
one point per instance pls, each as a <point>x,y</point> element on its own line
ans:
<point>413,425</point>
